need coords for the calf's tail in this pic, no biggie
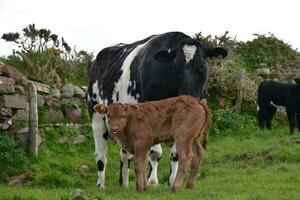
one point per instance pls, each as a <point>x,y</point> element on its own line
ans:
<point>206,127</point>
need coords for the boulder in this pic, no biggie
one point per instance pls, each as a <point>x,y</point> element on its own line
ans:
<point>74,115</point>
<point>68,90</point>
<point>84,169</point>
<point>40,101</point>
<point>79,139</point>
<point>11,72</point>
<point>51,101</point>
<point>71,100</point>
<point>5,112</point>
<point>5,123</point>
<point>21,115</point>
<point>13,101</point>
<point>20,90</point>
<point>7,85</point>
<point>53,116</point>
<point>55,92</point>
<point>78,92</point>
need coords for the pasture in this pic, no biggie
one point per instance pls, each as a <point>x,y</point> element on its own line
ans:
<point>238,164</point>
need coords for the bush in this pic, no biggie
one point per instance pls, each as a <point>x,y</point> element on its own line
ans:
<point>12,157</point>
<point>225,120</point>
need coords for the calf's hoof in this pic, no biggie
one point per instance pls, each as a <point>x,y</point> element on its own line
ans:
<point>189,185</point>
<point>174,189</point>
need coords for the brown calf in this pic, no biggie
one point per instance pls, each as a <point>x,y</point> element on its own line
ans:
<point>137,127</point>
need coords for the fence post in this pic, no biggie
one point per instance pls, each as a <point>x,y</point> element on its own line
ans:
<point>239,95</point>
<point>33,121</point>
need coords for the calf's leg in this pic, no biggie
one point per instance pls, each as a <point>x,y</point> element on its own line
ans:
<point>269,116</point>
<point>174,164</point>
<point>100,137</point>
<point>261,119</point>
<point>185,153</point>
<point>195,163</point>
<point>124,167</point>
<point>153,158</point>
<point>292,120</point>
<point>140,164</point>
<point>298,121</point>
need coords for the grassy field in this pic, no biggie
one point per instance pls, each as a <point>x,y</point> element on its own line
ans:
<point>245,164</point>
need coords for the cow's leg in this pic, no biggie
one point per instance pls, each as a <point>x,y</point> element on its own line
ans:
<point>270,114</point>
<point>174,164</point>
<point>261,119</point>
<point>154,157</point>
<point>124,167</point>
<point>100,137</point>
<point>292,120</point>
<point>298,121</point>
<point>185,153</point>
<point>195,164</point>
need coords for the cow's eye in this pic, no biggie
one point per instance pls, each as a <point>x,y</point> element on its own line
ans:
<point>123,116</point>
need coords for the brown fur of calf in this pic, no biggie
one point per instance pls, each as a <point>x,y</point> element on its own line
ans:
<point>137,127</point>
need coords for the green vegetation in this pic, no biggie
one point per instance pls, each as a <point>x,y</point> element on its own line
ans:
<point>240,163</point>
<point>43,56</point>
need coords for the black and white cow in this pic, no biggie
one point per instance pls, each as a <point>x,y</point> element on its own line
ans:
<point>272,94</point>
<point>154,68</point>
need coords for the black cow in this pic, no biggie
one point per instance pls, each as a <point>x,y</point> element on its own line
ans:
<point>272,94</point>
<point>158,67</point>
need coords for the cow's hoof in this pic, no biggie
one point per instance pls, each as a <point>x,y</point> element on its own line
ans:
<point>99,185</point>
<point>152,183</point>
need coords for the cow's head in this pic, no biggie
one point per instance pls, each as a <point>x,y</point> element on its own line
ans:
<point>117,116</point>
<point>189,60</point>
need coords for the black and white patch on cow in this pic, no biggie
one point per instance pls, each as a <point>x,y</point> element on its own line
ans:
<point>155,68</point>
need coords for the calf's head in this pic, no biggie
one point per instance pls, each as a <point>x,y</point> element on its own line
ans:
<point>189,60</point>
<point>116,115</point>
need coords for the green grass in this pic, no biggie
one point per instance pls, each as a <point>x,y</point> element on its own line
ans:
<point>248,164</point>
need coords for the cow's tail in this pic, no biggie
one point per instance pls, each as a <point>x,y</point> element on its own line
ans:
<point>207,125</point>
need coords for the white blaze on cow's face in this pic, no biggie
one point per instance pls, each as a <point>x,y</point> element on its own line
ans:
<point>189,52</point>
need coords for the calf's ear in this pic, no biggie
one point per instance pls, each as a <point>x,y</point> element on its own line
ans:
<point>100,108</point>
<point>297,80</point>
<point>216,52</point>
<point>166,55</point>
<point>130,106</point>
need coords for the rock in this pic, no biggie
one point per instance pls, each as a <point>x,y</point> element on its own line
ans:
<point>5,123</point>
<point>79,139</point>
<point>7,85</point>
<point>74,115</point>
<point>20,90</point>
<point>63,139</point>
<point>84,169</point>
<point>55,92</point>
<point>13,73</point>
<point>75,100</point>
<point>21,115</point>
<point>23,135</point>
<point>51,101</point>
<point>68,90</point>
<point>13,101</point>
<point>5,112</point>
<point>54,116</point>
<point>20,179</point>
<point>40,101</point>
<point>78,92</point>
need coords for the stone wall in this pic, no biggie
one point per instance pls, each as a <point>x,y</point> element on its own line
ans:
<point>58,106</point>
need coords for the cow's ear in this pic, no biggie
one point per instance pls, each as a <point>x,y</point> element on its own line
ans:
<point>100,108</point>
<point>216,52</point>
<point>297,80</point>
<point>165,55</point>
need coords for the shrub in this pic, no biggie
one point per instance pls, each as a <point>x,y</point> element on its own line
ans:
<point>225,120</point>
<point>12,157</point>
